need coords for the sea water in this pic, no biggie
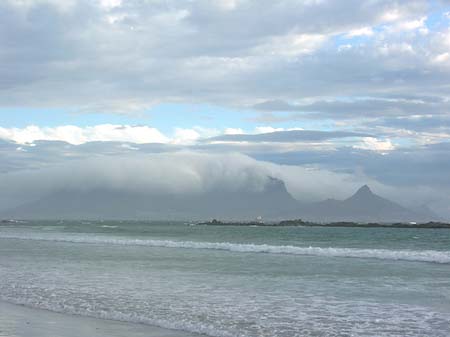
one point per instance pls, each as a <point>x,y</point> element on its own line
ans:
<point>234,281</point>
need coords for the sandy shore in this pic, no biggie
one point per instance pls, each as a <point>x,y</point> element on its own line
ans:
<point>20,321</point>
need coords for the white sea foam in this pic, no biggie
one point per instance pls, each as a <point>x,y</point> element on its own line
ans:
<point>131,317</point>
<point>434,256</point>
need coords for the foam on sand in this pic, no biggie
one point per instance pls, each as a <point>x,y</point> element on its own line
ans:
<point>18,320</point>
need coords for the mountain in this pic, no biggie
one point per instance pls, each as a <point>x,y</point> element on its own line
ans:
<point>364,206</point>
<point>237,204</point>
<point>272,202</point>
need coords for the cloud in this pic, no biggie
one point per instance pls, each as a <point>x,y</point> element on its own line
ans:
<point>286,136</point>
<point>233,131</point>
<point>419,119</point>
<point>79,135</point>
<point>374,144</point>
<point>155,174</point>
<point>416,122</point>
<point>186,135</point>
<point>363,31</point>
<point>441,58</point>
<point>406,164</point>
<point>195,173</point>
<point>408,25</point>
<point>292,45</point>
<point>267,129</point>
<point>122,57</point>
<point>412,175</point>
<point>354,108</point>
<point>181,136</point>
<point>310,174</point>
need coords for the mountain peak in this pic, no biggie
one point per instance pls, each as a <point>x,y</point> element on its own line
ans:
<point>364,189</point>
<point>363,193</point>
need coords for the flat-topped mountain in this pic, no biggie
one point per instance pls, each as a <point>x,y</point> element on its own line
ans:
<point>241,203</point>
<point>273,201</point>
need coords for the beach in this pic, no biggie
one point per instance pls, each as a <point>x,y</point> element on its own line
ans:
<point>222,281</point>
<point>21,321</point>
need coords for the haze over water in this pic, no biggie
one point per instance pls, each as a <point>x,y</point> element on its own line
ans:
<point>234,281</point>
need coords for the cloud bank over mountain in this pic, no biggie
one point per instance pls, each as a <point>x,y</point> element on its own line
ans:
<point>166,173</point>
<point>30,172</point>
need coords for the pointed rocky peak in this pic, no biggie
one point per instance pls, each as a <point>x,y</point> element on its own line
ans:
<point>363,193</point>
<point>364,190</point>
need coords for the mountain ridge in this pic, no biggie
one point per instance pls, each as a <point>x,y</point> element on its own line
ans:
<point>363,206</point>
<point>272,202</point>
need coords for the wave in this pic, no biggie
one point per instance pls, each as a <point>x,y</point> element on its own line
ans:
<point>113,315</point>
<point>433,256</point>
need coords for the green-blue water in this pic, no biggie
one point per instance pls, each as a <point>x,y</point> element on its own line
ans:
<point>234,281</point>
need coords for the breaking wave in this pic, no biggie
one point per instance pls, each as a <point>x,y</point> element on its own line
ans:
<point>433,256</point>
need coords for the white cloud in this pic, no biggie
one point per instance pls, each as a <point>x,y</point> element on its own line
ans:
<point>193,173</point>
<point>79,135</point>
<point>364,31</point>
<point>109,132</point>
<point>396,49</point>
<point>412,25</point>
<point>228,4</point>
<point>62,5</point>
<point>267,129</point>
<point>444,57</point>
<point>344,47</point>
<point>391,15</point>
<point>233,131</point>
<point>374,144</point>
<point>409,25</point>
<point>292,45</point>
<point>110,3</point>
<point>185,136</point>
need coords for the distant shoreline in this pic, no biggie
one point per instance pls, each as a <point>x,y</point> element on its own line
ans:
<point>348,224</point>
<point>237,223</point>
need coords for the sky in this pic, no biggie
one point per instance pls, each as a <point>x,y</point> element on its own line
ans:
<point>327,95</point>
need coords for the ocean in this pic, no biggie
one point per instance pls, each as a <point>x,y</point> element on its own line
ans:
<point>233,281</point>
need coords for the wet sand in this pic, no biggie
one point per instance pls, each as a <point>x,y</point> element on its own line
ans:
<point>20,321</point>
